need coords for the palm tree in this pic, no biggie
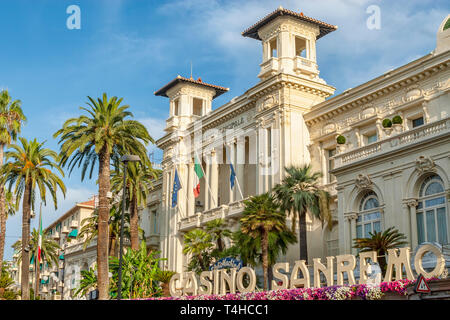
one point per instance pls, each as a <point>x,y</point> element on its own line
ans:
<point>10,208</point>
<point>298,194</point>
<point>11,119</point>
<point>101,135</point>
<point>198,243</point>
<point>29,167</point>
<point>261,215</point>
<point>49,252</point>
<point>249,249</point>
<point>89,229</point>
<point>217,228</point>
<point>381,242</point>
<point>139,184</point>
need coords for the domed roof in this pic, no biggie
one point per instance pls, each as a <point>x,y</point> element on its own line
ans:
<point>443,36</point>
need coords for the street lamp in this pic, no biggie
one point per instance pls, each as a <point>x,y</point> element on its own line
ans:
<point>125,159</point>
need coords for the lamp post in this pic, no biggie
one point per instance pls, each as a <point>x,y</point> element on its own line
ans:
<point>125,159</point>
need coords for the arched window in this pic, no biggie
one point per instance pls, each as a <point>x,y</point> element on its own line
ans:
<point>432,220</point>
<point>369,216</point>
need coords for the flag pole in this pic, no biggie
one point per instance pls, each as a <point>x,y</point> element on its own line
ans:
<point>237,180</point>
<point>185,193</point>
<point>206,180</point>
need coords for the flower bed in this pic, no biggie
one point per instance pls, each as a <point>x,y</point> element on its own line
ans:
<point>360,292</point>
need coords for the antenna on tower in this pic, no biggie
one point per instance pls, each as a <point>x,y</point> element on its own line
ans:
<point>191,69</point>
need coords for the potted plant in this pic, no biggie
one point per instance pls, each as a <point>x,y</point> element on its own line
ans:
<point>387,126</point>
<point>397,122</point>
<point>164,277</point>
<point>340,140</point>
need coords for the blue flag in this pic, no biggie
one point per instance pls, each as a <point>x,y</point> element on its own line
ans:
<point>232,176</point>
<point>176,187</point>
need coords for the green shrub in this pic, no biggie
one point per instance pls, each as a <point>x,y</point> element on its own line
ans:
<point>340,140</point>
<point>387,123</point>
<point>397,120</point>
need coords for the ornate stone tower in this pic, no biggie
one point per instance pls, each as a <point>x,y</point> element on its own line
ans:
<point>189,100</point>
<point>289,43</point>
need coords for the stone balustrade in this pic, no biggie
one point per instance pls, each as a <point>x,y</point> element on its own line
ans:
<point>393,142</point>
<point>231,211</point>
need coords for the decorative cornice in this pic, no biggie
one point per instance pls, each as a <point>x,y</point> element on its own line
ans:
<point>316,115</point>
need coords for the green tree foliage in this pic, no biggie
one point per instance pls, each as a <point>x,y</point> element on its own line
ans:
<point>31,167</point>
<point>381,242</point>
<point>100,137</point>
<point>140,270</point>
<point>219,232</point>
<point>89,229</point>
<point>139,185</point>
<point>298,194</point>
<point>261,216</point>
<point>11,120</point>
<point>198,243</point>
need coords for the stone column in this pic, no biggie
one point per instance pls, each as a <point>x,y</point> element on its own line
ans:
<point>407,223</point>
<point>348,234</point>
<point>353,217</point>
<point>189,190</point>
<point>207,181</point>
<point>380,132</point>
<point>412,203</point>
<point>239,167</point>
<point>323,161</point>
<point>214,179</point>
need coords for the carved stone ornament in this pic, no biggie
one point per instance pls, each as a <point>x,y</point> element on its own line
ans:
<point>424,164</point>
<point>363,181</point>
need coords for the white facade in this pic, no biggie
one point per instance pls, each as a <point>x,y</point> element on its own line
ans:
<point>285,119</point>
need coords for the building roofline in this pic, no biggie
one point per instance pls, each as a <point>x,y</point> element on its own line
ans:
<point>163,91</point>
<point>252,32</point>
<point>68,213</point>
<point>373,86</point>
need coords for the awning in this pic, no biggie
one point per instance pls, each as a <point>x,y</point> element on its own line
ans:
<point>73,233</point>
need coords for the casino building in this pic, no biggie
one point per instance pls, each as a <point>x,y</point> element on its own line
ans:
<point>379,177</point>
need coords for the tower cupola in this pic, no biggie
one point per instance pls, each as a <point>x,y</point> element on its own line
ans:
<point>289,43</point>
<point>189,100</point>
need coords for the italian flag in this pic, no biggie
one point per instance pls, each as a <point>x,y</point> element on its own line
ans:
<point>40,238</point>
<point>198,175</point>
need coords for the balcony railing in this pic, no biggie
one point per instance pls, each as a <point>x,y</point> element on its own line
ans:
<point>269,66</point>
<point>305,66</point>
<point>231,211</point>
<point>394,142</point>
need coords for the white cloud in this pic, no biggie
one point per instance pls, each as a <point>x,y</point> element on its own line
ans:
<point>353,52</point>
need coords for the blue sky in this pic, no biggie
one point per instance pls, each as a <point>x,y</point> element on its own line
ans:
<point>132,48</point>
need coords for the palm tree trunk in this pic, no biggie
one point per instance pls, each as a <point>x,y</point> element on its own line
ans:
<point>134,224</point>
<point>26,208</point>
<point>37,266</point>
<point>270,276</point>
<point>112,247</point>
<point>265,260</point>
<point>302,236</point>
<point>2,213</point>
<point>103,228</point>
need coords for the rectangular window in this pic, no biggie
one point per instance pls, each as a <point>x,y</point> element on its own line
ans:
<point>273,48</point>
<point>442,225</point>
<point>176,105</point>
<point>417,122</point>
<point>197,107</point>
<point>359,231</point>
<point>431,227</point>
<point>155,221</point>
<point>372,138</point>
<point>300,47</point>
